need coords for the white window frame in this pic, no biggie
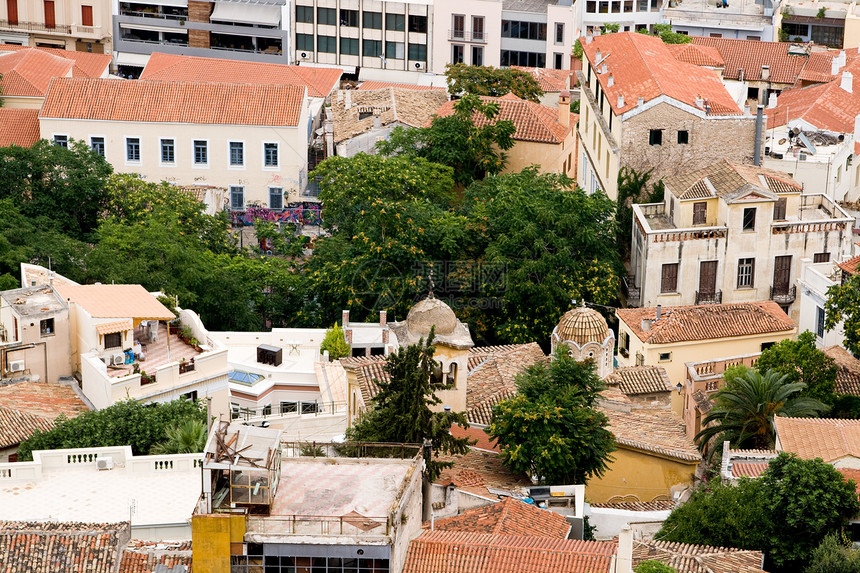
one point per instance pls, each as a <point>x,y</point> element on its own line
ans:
<point>194,164</point>
<point>269,189</point>
<point>54,137</point>
<point>161,141</point>
<point>139,150</point>
<point>277,166</point>
<point>241,167</point>
<point>244,198</point>
<point>104,142</point>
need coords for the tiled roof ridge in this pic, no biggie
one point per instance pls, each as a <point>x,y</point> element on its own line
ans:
<point>496,541</point>
<point>13,73</point>
<point>183,83</point>
<point>694,549</point>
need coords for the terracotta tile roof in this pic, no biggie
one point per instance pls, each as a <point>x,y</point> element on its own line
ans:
<point>368,370</point>
<point>634,380</point>
<point>643,67</point>
<point>493,380</point>
<point>16,426</point>
<point>698,558</point>
<point>475,471</point>
<point>375,85</point>
<point>28,406</point>
<point>818,67</point>
<point>353,110</point>
<point>454,552</point>
<point>851,473</point>
<point>847,370</point>
<point>86,64</point>
<point>533,121</point>
<point>156,557</point>
<point>703,402</point>
<point>656,431</point>
<point>751,55</point>
<point>507,517</point>
<point>173,102</point>
<point>112,327</point>
<point>657,505</point>
<point>826,106</point>
<point>480,438</point>
<point>19,127</point>
<point>550,80</point>
<point>825,438</point>
<point>851,266</point>
<point>749,469</point>
<point>706,56</point>
<point>688,323</point>
<point>729,180</point>
<point>115,301</point>
<point>28,73</point>
<point>66,547</point>
<point>320,82</point>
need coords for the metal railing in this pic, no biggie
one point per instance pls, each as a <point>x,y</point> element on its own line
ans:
<point>709,297</point>
<point>467,36</point>
<point>295,408</point>
<point>783,295</point>
<point>37,26</point>
<point>353,524</point>
<point>351,450</point>
<point>142,14</point>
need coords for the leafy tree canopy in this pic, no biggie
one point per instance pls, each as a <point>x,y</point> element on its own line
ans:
<point>834,555</point>
<point>490,81</point>
<point>130,422</point>
<point>189,437</point>
<point>401,411</point>
<point>335,343</point>
<point>800,361</point>
<point>550,429</point>
<point>843,305</point>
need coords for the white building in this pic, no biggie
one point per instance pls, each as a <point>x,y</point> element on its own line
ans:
<point>630,15</point>
<point>815,280</point>
<point>742,19</point>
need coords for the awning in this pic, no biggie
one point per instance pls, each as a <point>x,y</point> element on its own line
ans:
<point>246,13</point>
<point>174,3</point>
<point>111,327</point>
<point>127,59</point>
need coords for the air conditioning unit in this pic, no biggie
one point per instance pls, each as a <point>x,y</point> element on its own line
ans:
<point>304,56</point>
<point>104,462</point>
<point>16,366</point>
<point>117,359</point>
<point>418,65</point>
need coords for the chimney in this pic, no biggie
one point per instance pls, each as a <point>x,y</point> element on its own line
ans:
<point>699,101</point>
<point>347,334</point>
<point>847,82</point>
<point>587,39</point>
<point>603,69</point>
<point>564,108</point>
<point>765,73</point>
<point>383,317</point>
<point>771,100</point>
<point>377,121</point>
<point>620,100</point>
<point>747,109</point>
<point>659,312</point>
<point>344,320</point>
<point>640,101</point>
<point>740,74</point>
<point>385,336</point>
<point>834,67</point>
<point>645,325</point>
<point>597,55</point>
<point>759,117</point>
<point>624,557</point>
<point>857,129</point>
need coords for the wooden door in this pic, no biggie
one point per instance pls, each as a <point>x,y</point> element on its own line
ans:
<point>12,11</point>
<point>708,277</point>
<point>50,21</point>
<point>86,15</point>
<point>781,274</point>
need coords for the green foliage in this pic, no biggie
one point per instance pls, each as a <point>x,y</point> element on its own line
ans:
<point>335,343</point>
<point>800,361</point>
<point>654,566</point>
<point>574,106</point>
<point>609,28</point>
<point>822,12</point>
<point>633,187</point>
<point>843,305</point>
<point>786,513</point>
<point>783,35</point>
<point>458,141</point>
<point>577,50</point>
<point>550,430</point>
<point>733,372</point>
<point>744,410</point>
<point>188,437</point>
<point>490,81</point>
<point>283,243</point>
<point>130,422</point>
<point>834,555</point>
<point>401,410</point>
<point>669,37</point>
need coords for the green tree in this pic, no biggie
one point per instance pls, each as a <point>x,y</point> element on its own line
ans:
<point>551,430</point>
<point>401,413</point>
<point>669,37</point>
<point>834,555</point>
<point>745,407</point>
<point>654,566</point>
<point>189,437</point>
<point>551,242</point>
<point>800,361</point>
<point>129,423</point>
<point>490,81</point>
<point>472,140</point>
<point>843,305</point>
<point>282,243</point>
<point>335,343</point>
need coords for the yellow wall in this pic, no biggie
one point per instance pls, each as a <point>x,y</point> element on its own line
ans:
<point>549,157</point>
<point>645,476</point>
<point>211,536</point>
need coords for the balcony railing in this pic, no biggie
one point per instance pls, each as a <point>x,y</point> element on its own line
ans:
<point>146,14</point>
<point>36,26</point>
<point>783,295</point>
<point>467,36</point>
<point>709,297</point>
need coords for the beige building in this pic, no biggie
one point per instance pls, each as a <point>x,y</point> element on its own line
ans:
<point>672,337</point>
<point>252,139</point>
<point>637,113</point>
<point>543,136</point>
<point>79,25</point>
<point>704,379</point>
<point>732,233</point>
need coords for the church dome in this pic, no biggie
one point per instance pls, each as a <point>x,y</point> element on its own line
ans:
<point>582,325</point>
<point>429,312</point>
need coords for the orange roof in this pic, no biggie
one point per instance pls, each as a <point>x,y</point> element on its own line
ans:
<point>320,82</point>
<point>455,552</point>
<point>112,327</point>
<point>550,80</point>
<point>825,438</point>
<point>706,56</point>
<point>847,370</point>
<point>374,85</point>
<point>686,558</point>
<point>173,102</point>
<point>751,55</point>
<point>481,438</point>
<point>825,106</point>
<point>818,67</point>
<point>115,301</point>
<point>704,322</point>
<point>86,64</point>
<point>749,469</point>
<point>28,73</point>
<point>29,406</point>
<point>19,127</point>
<point>533,121</point>
<point>507,517</point>
<point>851,266</point>
<point>643,67</point>
<point>851,473</point>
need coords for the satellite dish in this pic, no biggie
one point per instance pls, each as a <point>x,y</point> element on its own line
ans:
<point>795,131</point>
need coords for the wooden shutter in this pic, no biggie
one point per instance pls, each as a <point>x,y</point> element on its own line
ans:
<point>50,21</point>
<point>669,282</point>
<point>779,210</point>
<point>700,212</point>
<point>12,12</point>
<point>86,15</point>
<point>708,277</point>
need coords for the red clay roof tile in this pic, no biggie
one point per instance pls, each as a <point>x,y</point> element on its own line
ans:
<point>19,127</point>
<point>507,517</point>
<point>825,106</point>
<point>375,85</point>
<point>27,73</point>
<point>86,64</point>
<point>550,80</point>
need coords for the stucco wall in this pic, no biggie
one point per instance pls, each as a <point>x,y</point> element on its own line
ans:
<point>647,477</point>
<point>549,157</point>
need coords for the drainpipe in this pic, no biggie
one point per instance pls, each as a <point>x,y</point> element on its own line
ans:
<point>426,486</point>
<point>759,115</point>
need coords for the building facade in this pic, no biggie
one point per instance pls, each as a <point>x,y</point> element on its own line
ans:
<point>79,25</point>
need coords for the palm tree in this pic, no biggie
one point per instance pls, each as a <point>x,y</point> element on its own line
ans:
<point>187,438</point>
<point>745,408</point>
